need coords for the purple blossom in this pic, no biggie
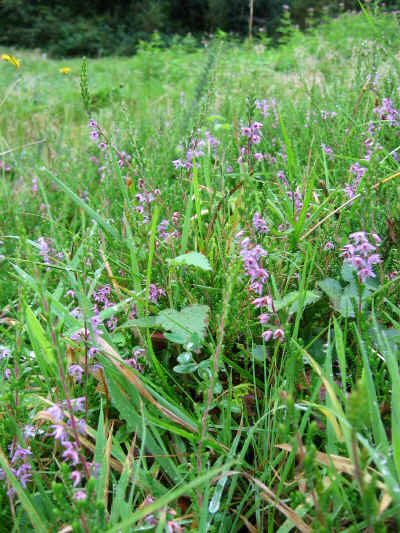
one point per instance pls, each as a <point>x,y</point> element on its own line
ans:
<point>112,323</point>
<point>361,254</point>
<point>70,453</point>
<point>76,372</point>
<point>387,112</point>
<point>76,477</point>
<point>56,413</point>
<point>281,175</point>
<point>29,431</point>
<point>80,495</point>
<point>76,313</point>
<point>329,246</point>
<point>23,473</point>
<point>328,151</point>
<point>20,453</point>
<point>279,334</point>
<point>264,318</point>
<point>4,353</point>
<point>78,404</point>
<point>58,432</point>
<point>155,293</point>
<point>266,335</point>
<point>358,171</point>
<point>263,301</point>
<point>259,223</point>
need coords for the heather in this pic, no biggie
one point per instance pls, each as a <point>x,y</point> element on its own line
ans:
<point>200,312</point>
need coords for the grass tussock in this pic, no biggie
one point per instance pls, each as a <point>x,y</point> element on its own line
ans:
<point>199,304</point>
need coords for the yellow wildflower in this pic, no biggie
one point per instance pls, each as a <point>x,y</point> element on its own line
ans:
<point>11,59</point>
<point>65,70</point>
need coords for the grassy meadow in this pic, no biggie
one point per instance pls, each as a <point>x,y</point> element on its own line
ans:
<point>199,285</point>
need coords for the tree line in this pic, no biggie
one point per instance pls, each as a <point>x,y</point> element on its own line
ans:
<point>101,27</point>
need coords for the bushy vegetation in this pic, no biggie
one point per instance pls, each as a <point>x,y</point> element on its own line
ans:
<point>200,314</point>
<point>99,28</point>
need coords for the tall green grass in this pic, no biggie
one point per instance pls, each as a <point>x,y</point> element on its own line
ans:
<point>213,429</point>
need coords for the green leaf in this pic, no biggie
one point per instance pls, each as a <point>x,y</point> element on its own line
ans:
<point>172,495</point>
<point>178,338</point>
<point>106,226</point>
<point>146,322</point>
<point>185,357</point>
<point>292,299</point>
<point>43,348</point>
<point>192,319</point>
<point>348,272</point>
<point>259,353</point>
<point>192,259</point>
<point>188,368</point>
<point>310,298</point>
<point>333,289</point>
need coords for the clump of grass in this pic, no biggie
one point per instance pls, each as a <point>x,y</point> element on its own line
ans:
<point>199,307</point>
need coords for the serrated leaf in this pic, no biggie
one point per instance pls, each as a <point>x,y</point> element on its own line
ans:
<point>192,259</point>
<point>184,323</point>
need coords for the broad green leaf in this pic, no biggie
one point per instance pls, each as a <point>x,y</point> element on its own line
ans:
<point>146,322</point>
<point>191,320</point>
<point>332,288</point>
<point>192,259</point>
<point>187,368</point>
<point>347,272</point>
<point>259,353</point>
<point>291,300</point>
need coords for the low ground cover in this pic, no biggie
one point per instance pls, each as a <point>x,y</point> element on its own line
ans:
<point>199,285</point>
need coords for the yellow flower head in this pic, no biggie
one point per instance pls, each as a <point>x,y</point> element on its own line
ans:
<point>11,59</point>
<point>65,70</point>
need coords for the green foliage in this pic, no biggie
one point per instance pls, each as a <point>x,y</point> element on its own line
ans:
<point>192,400</point>
<point>192,259</point>
<point>98,28</point>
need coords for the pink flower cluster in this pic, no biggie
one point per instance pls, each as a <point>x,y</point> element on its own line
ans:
<point>62,431</point>
<point>251,258</point>
<point>361,254</point>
